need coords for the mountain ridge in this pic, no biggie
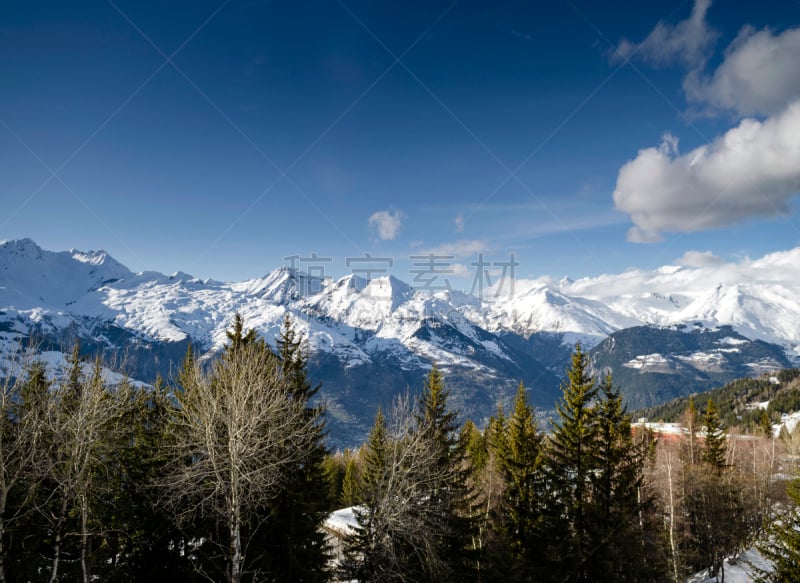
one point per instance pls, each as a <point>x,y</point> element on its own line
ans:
<point>363,333</point>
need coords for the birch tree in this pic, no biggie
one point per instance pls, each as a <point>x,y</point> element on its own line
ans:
<point>237,430</point>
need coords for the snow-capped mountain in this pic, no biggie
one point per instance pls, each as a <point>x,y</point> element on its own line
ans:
<point>369,339</point>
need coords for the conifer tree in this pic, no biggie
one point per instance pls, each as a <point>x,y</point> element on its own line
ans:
<point>452,498</point>
<point>474,444</point>
<point>781,545</point>
<point>237,337</point>
<point>570,462</point>
<point>714,450</point>
<point>351,484</point>
<point>520,463</point>
<point>297,547</point>
<point>764,424</point>
<point>620,543</point>
<point>24,441</point>
<point>369,551</point>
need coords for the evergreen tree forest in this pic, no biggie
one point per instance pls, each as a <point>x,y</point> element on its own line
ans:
<point>224,473</point>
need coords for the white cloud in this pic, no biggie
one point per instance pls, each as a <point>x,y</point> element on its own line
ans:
<point>386,224</point>
<point>759,75</point>
<point>459,221</point>
<point>462,248</point>
<point>699,259</point>
<point>751,170</point>
<point>461,270</point>
<point>688,41</point>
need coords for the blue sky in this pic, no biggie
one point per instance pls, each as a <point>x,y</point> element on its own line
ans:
<point>218,138</point>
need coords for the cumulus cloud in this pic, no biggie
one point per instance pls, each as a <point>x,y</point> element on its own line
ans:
<point>699,259</point>
<point>462,248</point>
<point>751,170</point>
<point>386,224</point>
<point>687,42</point>
<point>759,75</point>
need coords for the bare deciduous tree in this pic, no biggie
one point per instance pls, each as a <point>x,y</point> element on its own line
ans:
<point>23,401</point>
<point>400,522</point>
<point>236,430</point>
<point>81,416</point>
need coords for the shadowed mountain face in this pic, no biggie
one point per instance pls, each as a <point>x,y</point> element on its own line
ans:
<point>372,340</point>
<point>653,365</point>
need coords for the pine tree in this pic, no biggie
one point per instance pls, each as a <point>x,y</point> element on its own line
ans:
<point>781,545</point>
<point>714,450</point>
<point>474,443</point>
<point>451,498</point>
<point>764,424</point>
<point>571,460</point>
<point>237,337</point>
<point>143,543</point>
<point>370,548</point>
<point>620,545</point>
<point>351,484</point>
<point>520,463</point>
<point>713,502</point>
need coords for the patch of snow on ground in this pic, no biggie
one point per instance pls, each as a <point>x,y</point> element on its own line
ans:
<point>645,360</point>
<point>732,341</point>
<point>739,571</point>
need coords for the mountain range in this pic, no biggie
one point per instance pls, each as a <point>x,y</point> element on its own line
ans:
<point>661,333</point>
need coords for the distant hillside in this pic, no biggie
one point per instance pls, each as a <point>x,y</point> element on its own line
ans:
<point>652,364</point>
<point>735,399</point>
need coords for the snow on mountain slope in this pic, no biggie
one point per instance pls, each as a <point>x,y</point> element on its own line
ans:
<point>31,277</point>
<point>759,298</point>
<point>355,318</point>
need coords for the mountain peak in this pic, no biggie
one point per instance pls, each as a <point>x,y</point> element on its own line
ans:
<point>21,247</point>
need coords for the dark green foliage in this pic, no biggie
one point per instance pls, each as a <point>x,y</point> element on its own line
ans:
<point>366,551</point>
<point>715,446</point>
<point>734,401</point>
<point>643,388</point>
<point>623,548</point>
<point>570,462</point>
<point>141,540</point>
<point>520,464</point>
<point>593,513</point>
<point>351,483</point>
<point>474,444</point>
<point>453,498</point>
<point>237,336</point>
<point>714,513</point>
<point>294,544</point>
<point>418,519</point>
<point>781,546</point>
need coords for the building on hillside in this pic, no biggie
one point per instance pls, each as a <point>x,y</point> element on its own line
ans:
<point>677,432</point>
<point>337,527</point>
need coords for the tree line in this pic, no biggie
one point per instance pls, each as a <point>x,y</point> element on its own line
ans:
<point>593,499</point>
<point>224,474</point>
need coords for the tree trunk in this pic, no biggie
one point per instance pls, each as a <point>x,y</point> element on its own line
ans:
<point>672,548</point>
<point>3,499</point>
<point>236,544</point>
<point>84,539</point>
<point>57,541</point>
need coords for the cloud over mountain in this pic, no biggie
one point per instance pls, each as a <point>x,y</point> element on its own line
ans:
<point>753,170</point>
